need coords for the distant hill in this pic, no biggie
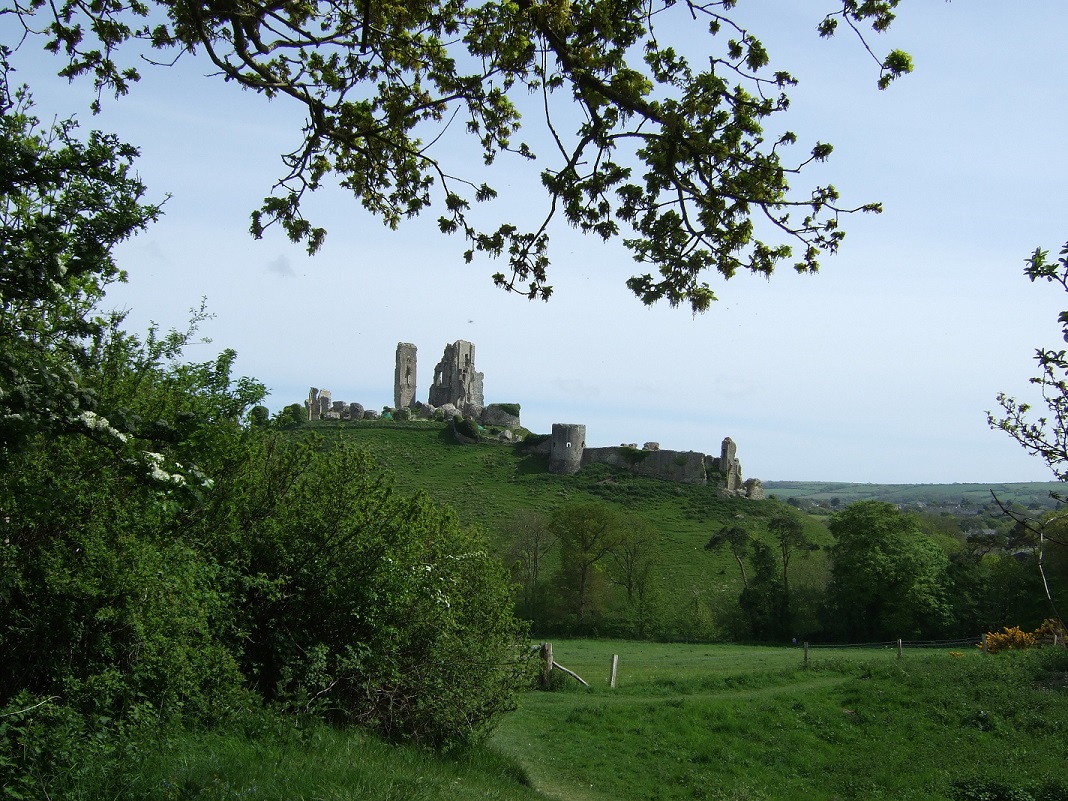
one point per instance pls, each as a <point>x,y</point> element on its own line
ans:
<point>1035,494</point>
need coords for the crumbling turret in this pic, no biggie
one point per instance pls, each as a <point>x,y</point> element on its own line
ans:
<point>565,448</point>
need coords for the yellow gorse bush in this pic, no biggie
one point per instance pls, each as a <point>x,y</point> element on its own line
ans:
<point>1008,638</point>
<point>1015,638</point>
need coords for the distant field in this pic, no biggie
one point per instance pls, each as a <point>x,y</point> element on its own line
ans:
<point>1028,494</point>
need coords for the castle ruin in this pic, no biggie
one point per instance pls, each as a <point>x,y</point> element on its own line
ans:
<point>457,382</point>
<point>458,390</point>
<point>568,454</point>
<point>404,376</point>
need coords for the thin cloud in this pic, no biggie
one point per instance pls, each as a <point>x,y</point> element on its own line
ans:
<point>280,266</point>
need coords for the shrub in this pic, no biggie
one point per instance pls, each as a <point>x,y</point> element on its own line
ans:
<point>361,606</point>
<point>1051,629</point>
<point>468,428</point>
<point>292,415</point>
<point>509,408</point>
<point>1014,638</point>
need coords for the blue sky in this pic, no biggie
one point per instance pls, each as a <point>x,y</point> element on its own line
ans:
<point>878,369</point>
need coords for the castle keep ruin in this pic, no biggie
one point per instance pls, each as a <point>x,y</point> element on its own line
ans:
<point>458,390</point>
<point>457,382</point>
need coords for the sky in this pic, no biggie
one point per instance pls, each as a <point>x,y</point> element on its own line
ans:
<point>880,368</point>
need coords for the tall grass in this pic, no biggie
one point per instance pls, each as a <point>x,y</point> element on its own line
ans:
<point>267,757</point>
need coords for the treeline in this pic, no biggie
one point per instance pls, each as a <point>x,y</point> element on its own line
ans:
<point>169,560</point>
<point>873,573</point>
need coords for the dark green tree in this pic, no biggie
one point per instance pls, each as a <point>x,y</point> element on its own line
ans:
<point>737,538</point>
<point>587,533</point>
<point>637,141</point>
<point>763,599</point>
<point>532,539</point>
<point>632,566</point>
<point>788,529</point>
<point>888,579</point>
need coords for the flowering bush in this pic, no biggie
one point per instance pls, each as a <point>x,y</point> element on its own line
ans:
<point>1007,639</point>
<point>1015,638</point>
<point>1051,630</point>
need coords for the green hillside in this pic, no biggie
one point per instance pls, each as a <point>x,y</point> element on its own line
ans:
<point>489,482</point>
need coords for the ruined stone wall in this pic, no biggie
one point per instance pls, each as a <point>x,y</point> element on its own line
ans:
<point>318,404</point>
<point>457,382</point>
<point>685,467</point>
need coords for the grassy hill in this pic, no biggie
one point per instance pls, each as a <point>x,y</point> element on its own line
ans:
<point>489,482</point>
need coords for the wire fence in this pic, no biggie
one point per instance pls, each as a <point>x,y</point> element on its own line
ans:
<point>963,642</point>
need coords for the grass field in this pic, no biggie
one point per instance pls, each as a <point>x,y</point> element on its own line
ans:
<point>685,722</point>
<point>733,722</point>
<point>1035,494</point>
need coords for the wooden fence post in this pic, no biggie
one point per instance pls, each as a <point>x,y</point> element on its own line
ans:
<point>615,668</point>
<point>899,649</point>
<point>806,653</point>
<point>546,665</point>
<point>986,648</point>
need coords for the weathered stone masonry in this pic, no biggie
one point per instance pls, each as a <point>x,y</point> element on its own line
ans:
<point>568,454</point>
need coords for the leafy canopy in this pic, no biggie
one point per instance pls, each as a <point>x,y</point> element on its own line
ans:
<point>1045,436</point>
<point>888,579</point>
<point>634,140</point>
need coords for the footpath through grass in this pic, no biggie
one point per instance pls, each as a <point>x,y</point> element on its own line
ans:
<point>729,722</point>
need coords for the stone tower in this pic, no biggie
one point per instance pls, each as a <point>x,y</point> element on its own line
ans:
<point>730,466</point>
<point>566,447</point>
<point>404,376</point>
<point>318,403</point>
<point>456,381</point>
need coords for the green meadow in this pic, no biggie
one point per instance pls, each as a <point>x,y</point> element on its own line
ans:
<point>688,722</point>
